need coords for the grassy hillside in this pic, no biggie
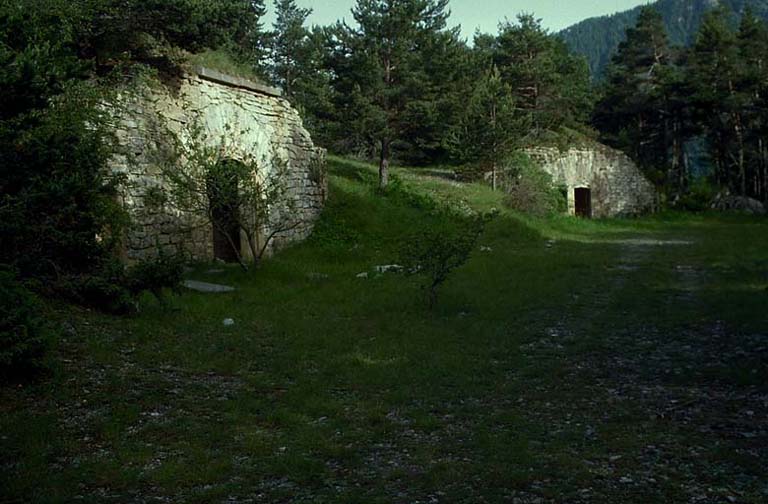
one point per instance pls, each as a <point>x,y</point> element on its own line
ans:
<point>569,360</point>
<point>598,38</point>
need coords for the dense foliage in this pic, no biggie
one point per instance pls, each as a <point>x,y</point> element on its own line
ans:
<point>661,103</point>
<point>61,222</point>
<point>531,190</point>
<point>23,339</point>
<point>58,212</point>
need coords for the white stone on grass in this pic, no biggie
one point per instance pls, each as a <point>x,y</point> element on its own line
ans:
<point>208,288</point>
<point>389,268</point>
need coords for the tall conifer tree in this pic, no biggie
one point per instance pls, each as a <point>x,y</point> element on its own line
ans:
<point>752,40</point>
<point>715,74</point>
<point>387,48</point>
<point>290,45</point>
<point>548,82</point>
<point>632,114</point>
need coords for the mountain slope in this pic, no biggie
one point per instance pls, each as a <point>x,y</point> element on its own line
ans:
<point>597,38</point>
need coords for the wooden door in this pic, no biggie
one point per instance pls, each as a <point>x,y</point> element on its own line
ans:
<point>583,197</point>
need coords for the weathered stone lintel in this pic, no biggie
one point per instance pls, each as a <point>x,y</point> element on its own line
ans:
<point>239,82</point>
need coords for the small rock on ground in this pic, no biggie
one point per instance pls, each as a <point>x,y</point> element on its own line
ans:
<point>208,288</point>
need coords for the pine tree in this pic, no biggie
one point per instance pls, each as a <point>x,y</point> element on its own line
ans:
<point>313,92</point>
<point>633,114</point>
<point>526,61</point>
<point>548,82</point>
<point>290,49</point>
<point>491,127</point>
<point>678,124</point>
<point>385,54</point>
<point>715,75</point>
<point>752,41</point>
<point>447,74</point>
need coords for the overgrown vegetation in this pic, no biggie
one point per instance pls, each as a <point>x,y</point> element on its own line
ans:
<point>224,62</point>
<point>531,190</point>
<point>233,195</point>
<point>59,213</point>
<point>60,219</point>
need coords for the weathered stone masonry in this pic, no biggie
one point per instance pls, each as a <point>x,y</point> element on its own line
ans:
<point>616,185</point>
<point>254,123</point>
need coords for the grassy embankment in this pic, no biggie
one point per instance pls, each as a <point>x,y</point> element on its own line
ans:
<point>579,361</point>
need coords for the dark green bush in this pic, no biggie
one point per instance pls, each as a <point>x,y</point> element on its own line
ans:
<point>699,197</point>
<point>155,276</point>
<point>58,205</point>
<point>435,252</point>
<point>23,341</point>
<point>113,288</point>
<point>104,288</point>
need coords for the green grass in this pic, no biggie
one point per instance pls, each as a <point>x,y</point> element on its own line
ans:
<point>223,62</point>
<point>564,345</point>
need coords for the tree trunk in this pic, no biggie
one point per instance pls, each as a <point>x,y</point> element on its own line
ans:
<point>384,164</point>
<point>742,164</point>
<point>495,150</point>
<point>681,160</point>
<point>432,296</point>
<point>252,245</point>
<point>231,241</point>
<point>764,156</point>
<point>386,140</point>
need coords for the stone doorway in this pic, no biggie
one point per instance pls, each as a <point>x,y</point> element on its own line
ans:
<point>224,203</point>
<point>583,201</point>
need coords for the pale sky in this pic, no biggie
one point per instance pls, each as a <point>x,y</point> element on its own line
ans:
<point>484,14</point>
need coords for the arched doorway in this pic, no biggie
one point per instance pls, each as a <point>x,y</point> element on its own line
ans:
<point>583,202</point>
<point>224,205</point>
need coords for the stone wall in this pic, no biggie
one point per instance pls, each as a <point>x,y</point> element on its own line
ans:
<point>244,120</point>
<point>617,186</point>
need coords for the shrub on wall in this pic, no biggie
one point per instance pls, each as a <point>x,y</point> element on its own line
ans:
<point>531,190</point>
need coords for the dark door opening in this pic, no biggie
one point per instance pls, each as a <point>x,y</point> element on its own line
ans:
<point>225,211</point>
<point>583,200</point>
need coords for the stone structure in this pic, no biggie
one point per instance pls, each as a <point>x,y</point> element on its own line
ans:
<point>600,181</point>
<point>244,121</point>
